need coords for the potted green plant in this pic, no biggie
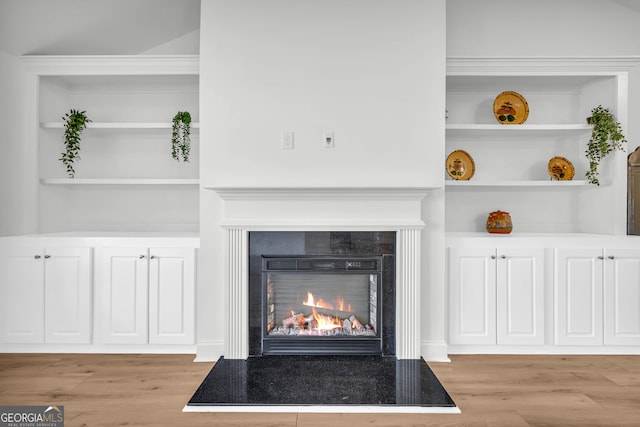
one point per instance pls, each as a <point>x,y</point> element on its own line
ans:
<point>180,137</point>
<point>606,136</point>
<point>74,123</point>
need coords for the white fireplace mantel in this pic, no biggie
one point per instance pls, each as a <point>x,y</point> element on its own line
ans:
<point>323,209</point>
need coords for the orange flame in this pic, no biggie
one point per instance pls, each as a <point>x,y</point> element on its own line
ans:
<point>320,303</point>
<point>325,322</point>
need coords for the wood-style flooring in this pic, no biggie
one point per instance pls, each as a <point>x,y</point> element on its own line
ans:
<point>151,390</point>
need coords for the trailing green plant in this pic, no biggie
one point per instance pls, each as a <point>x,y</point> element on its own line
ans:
<point>180,137</point>
<point>606,136</point>
<point>74,123</point>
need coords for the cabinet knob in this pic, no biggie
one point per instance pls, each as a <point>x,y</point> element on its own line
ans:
<point>612,257</point>
<point>600,257</point>
<point>152,257</point>
<point>142,256</point>
<point>47,256</point>
<point>37,257</point>
<point>503,256</point>
<point>493,257</point>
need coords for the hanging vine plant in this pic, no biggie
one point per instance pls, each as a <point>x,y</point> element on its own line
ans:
<point>606,136</point>
<point>74,123</point>
<point>180,137</point>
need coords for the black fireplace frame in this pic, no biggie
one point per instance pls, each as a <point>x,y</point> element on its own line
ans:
<point>322,345</point>
<point>325,244</point>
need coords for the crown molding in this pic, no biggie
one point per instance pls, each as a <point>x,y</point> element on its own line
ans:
<point>111,64</point>
<point>540,65</point>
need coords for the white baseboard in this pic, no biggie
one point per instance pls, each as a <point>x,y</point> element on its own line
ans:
<point>99,348</point>
<point>209,351</point>
<point>434,351</point>
<point>543,349</point>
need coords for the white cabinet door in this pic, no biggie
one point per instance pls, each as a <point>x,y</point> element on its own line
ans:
<point>67,295</point>
<point>21,295</point>
<point>472,296</point>
<point>578,299</point>
<point>520,296</point>
<point>622,297</point>
<point>124,308</point>
<point>171,296</point>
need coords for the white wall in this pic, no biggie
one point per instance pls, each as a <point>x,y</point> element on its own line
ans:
<point>370,71</point>
<point>543,28</point>
<point>13,218</point>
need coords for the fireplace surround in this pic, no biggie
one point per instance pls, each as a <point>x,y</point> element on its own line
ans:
<point>239,211</point>
<point>244,216</point>
<point>319,292</point>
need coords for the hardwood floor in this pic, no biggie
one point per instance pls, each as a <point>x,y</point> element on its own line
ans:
<point>151,390</point>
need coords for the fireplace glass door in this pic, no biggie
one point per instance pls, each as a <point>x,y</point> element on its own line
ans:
<point>318,305</point>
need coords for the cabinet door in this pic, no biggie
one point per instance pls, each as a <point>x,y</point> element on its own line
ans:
<point>171,296</point>
<point>21,295</point>
<point>578,299</point>
<point>520,296</point>
<point>124,308</point>
<point>67,295</point>
<point>472,296</point>
<point>622,297</point>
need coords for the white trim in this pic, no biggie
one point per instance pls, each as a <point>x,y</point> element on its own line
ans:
<point>209,351</point>
<point>543,349</point>
<point>408,307</point>
<point>96,348</point>
<point>77,65</point>
<point>327,409</point>
<point>322,225</point>
<point>434,351</point>
<point>236,344</point>
<point>540,66</point>
<point>261,193</point>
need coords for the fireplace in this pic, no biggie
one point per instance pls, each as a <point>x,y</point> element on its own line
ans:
<point>321,305</point>
<point>314,293</point>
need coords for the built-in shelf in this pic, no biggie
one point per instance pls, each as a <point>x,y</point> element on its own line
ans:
<point>118,125</point>
<point>118,181</point>
<point>462,127</point>
<point>520,183</point>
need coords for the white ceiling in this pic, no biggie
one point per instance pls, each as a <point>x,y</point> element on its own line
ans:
<point>93,27</point>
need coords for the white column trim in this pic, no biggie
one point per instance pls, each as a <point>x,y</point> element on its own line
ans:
<point>408,294</point>
<point>237,291</point>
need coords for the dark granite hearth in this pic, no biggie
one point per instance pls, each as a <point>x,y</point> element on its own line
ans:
<point>321,380</point>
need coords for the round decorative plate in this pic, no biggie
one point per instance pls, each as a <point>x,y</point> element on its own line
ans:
<point>460,165</point>
<point>510,108</point>
<point>560,169</point>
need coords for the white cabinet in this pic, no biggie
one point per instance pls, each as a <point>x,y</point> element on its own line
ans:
<point>622,296</point>
<point>472,296</point>
<point>148,295</point>
<point>496,296</point>
<point>45,295</point>
<point>578,297</point>
<point>597,296</point>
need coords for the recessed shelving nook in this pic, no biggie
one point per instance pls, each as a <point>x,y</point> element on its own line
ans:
<point>126,179</point>
<point>511,160</point>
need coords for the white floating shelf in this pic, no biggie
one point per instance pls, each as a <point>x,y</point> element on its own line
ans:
<point>517,128</point>
<point>521,183</point>
<point>118,181</point>
<point>118,125</point>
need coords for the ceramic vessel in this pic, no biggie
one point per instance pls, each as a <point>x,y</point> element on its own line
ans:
<point>499,222</point>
